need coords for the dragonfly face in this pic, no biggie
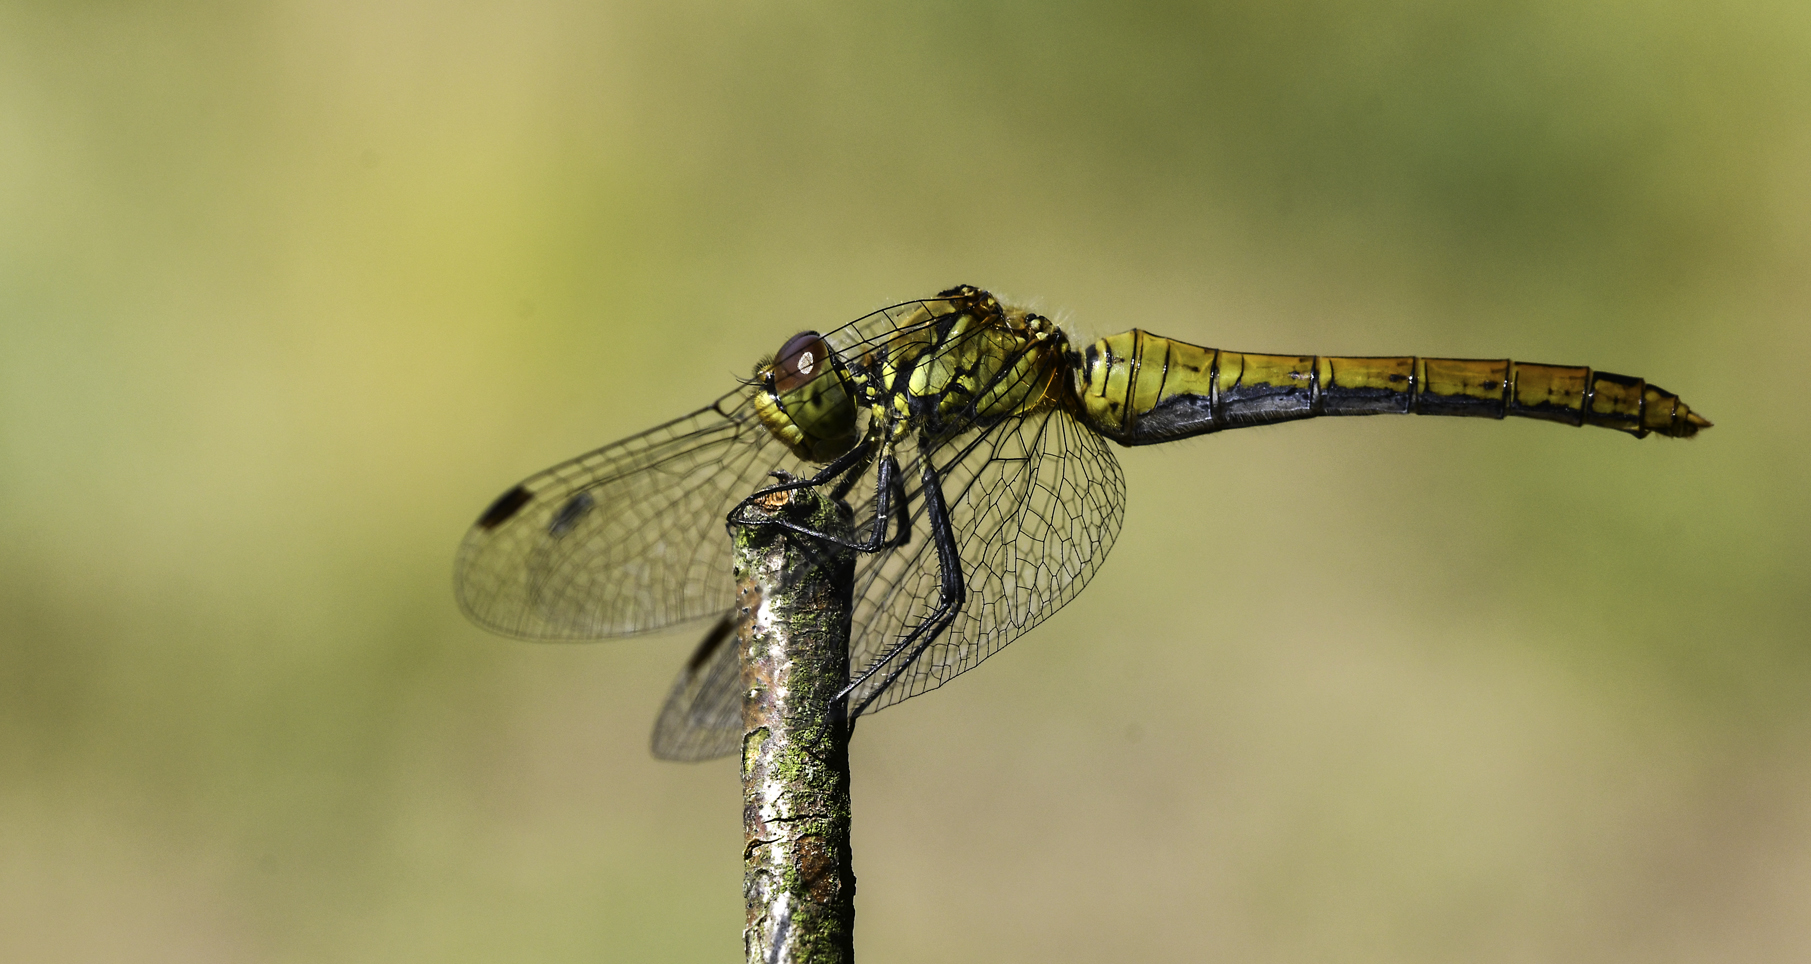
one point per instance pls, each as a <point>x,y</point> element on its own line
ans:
<point>971,442</point>
<point>805,402</point>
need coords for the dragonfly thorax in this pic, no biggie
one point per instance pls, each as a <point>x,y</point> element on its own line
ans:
<point>984,363</point>
<point>939,373</point>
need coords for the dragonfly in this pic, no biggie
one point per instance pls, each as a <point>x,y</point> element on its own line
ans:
<point>974,444</point>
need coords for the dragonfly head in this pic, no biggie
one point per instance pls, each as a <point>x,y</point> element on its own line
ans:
<point>805,401</point>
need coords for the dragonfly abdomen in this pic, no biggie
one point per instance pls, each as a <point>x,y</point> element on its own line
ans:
<point>1139,389</point>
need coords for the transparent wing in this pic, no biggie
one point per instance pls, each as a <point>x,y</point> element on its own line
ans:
<point>627,539</point>
<point>894,325</point>
<point>1035,503</point>
<point>702,718</point>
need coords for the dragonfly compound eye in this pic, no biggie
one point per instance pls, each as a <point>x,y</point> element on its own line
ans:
<point>816,416</point>
<point>803,358</point>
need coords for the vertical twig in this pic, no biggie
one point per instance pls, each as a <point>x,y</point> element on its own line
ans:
<point>798,875</point>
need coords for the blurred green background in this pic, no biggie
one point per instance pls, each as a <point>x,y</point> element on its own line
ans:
<point>290,291</point>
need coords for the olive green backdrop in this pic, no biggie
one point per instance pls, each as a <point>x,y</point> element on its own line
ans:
<point>290,291</point>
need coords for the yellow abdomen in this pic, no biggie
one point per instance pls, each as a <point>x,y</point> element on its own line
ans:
<point>1138,389</point>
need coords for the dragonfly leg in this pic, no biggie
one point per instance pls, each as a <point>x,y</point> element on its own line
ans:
<point>851,462</point>
<point>852,459</point>
<point>847,482</point>
<point>952,593</point>
<point>890,498</point>
<point>889,487</point>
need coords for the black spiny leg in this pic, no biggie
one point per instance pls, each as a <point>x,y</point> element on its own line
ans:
<point>951,594</point>
<point>889,498</point>
<point>854,459</point>
<point>889,490</point>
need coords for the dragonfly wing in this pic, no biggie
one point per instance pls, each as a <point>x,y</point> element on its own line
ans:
<point>627,539</point>
<point>702,718</point>
<point>887,326</point>
<point>1035,503</point>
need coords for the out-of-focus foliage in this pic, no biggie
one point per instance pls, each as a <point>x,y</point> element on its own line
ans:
<point>289,291</point>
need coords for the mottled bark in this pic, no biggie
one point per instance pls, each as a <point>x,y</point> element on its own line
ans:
<point>798,876</point>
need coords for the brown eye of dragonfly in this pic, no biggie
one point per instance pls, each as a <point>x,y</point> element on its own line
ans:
<point>803,358</point>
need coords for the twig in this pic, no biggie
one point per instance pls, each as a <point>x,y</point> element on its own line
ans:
<point>794,596</point>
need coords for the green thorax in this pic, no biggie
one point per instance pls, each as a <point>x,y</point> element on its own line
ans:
<point>983,362</point>
<point>938,372</point>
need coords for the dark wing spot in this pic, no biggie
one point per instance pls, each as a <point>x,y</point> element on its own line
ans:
<point>570,514</point>
<point>505,508</point>
<point>724,631</point>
